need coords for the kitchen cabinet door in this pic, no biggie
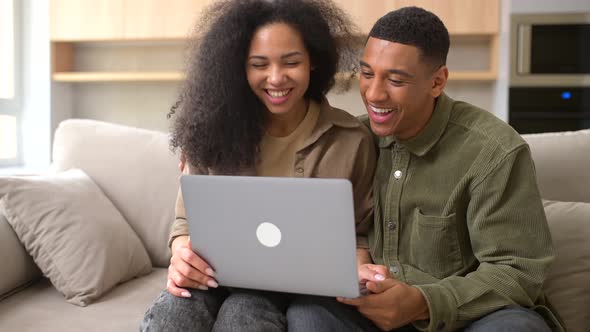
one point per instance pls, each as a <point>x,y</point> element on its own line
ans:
<point>366,13</point>
<point>161,19</point>
<point>86,20</point>
<point>462,17</point>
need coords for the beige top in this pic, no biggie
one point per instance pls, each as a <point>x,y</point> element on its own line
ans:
<point>278,153</point>
<point>338,146</point>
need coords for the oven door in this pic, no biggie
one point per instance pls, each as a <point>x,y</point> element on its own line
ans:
<point>541,109</point>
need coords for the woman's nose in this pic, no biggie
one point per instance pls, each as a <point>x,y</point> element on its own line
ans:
<point>276,75</point>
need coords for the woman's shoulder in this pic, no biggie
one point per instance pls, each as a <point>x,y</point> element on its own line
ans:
<point>337,116</point>
<point>342,124</point>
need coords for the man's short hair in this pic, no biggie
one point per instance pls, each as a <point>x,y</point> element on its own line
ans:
<point>415,27</point>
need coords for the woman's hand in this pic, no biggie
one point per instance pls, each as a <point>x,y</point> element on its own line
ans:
<point>187,270</point>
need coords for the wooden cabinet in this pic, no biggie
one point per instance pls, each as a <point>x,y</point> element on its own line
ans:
<point>112,20</point>
<point>157,19</point>
<point>366,13</point>
<point>464,19</point>
<point>78,20</point>
<point>81,21</point>
<point>459,16</point>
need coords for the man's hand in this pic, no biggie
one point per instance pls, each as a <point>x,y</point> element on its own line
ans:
<point>393,304</point>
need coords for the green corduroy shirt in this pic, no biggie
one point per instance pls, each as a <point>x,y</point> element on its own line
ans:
<point>458,215</point>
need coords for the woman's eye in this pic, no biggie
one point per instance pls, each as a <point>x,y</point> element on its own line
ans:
<point>258,65</point>
<point>292,64</point>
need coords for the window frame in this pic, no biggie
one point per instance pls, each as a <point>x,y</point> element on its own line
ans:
<point>13,106</point>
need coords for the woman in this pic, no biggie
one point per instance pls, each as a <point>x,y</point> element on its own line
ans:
<point>254,104</point>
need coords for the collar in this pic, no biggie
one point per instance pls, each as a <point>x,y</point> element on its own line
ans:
<point>328,118</point>
<point>430,134</point>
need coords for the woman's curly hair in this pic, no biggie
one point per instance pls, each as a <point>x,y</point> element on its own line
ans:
<point>218,121</point>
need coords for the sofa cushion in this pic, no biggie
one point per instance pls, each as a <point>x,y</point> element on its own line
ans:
<point>562,161</point>
<point>134,168</point>
<point>567,282</point>
<point>22,269</point>
<point>76,236</point>
<point>41,308</point>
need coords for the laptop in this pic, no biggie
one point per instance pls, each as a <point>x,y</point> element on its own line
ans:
<point>294,235</point>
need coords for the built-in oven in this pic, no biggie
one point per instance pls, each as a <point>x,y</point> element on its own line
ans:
<point>549,72</point>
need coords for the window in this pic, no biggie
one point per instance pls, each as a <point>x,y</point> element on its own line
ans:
<point>9,116</point>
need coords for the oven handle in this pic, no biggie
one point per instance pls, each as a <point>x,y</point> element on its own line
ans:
<point>547,115</point>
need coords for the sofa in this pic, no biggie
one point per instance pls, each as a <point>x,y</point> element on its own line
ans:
<point>99,278</point>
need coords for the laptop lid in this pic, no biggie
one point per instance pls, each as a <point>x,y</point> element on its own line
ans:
<point>292,235</point>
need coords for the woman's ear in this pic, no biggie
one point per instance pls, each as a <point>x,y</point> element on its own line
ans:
<point>439,81</point>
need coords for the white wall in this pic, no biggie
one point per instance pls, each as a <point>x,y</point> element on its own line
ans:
<point>35,83</point>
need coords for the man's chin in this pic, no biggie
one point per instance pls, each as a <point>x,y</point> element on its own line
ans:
<point>380,130</point>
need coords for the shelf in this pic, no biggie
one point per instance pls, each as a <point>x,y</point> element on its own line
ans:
<point>179,76</point>
<point>472,76</point>
<point>476,76</point>
<point>117,76</point>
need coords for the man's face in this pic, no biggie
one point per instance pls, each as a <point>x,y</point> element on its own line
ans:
<point>398,88</point>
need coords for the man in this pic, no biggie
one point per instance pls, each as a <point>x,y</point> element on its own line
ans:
<point>460,239</point>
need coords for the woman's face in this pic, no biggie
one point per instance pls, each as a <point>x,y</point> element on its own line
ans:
<point>278,69</point>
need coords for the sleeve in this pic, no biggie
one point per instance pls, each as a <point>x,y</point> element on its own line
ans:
<point>180,226</point>
<point>510,238</point>
<point>362,183</point>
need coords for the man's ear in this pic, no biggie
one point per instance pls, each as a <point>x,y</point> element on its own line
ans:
<point>439,81</point>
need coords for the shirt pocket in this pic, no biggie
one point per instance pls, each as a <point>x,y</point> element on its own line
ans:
<point>434,245</point>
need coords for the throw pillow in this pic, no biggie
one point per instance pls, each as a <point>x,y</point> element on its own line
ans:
<point>74,233</point>
<point>567,281</point>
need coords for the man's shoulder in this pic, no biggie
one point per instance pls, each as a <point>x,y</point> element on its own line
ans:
<point>479,126</point>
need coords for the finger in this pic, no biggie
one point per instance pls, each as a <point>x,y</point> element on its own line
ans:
<point>189,256</point>
<point>381,269</point>
<point>370,272</point>
<point>380,286</point>
<point>353,302</point>
<point>182,281</point>
<point>175,290</point>
<point>187,275</point>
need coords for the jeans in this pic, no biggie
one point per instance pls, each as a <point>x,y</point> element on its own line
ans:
<point>219,309</point>
<point>231,309</point>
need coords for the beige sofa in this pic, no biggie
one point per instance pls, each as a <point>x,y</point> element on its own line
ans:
<point>136,171</point>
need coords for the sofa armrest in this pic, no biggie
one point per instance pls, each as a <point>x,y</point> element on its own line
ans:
<point>18,267</point>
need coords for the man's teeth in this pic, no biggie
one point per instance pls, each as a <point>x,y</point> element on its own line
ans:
<point>381,110</point>
<point>277,94</point>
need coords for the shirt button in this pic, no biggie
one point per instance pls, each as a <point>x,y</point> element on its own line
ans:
<point>397,174</point>
<point>391,225</point>
<point>393,269</point>
<point>299,169</point>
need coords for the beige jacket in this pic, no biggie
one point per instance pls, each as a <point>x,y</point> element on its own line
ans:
<point>339,147</point>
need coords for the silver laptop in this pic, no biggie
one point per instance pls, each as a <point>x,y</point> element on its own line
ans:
<point>293,235</point>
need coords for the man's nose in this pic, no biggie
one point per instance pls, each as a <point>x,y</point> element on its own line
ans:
<point>375,92</point>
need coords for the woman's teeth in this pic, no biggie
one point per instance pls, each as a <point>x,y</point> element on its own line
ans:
<point>381,110</point>
<point>277,94</point>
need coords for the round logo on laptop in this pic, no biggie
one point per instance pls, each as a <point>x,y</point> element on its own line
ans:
<point>268,234</point>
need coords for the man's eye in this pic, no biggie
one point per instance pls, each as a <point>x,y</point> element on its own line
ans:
<point>366,74</point>
<point>396,82</point>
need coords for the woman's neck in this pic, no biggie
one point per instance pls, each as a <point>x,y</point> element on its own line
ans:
<point>281,125</point>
